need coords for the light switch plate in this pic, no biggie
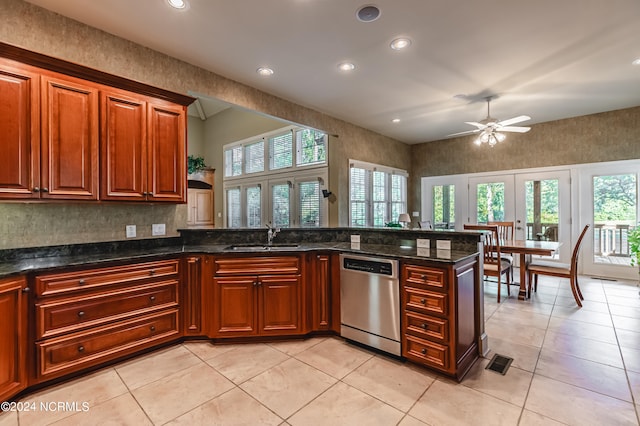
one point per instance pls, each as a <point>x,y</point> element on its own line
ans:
<point>355,239</point>
<point>415,214</point>
<point>420,251</point>
<point>131,231</point>
<point>158,229</point>
<point>423,243</point>
<point>443,244</point>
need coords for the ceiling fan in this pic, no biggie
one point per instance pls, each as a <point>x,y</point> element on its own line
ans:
<point>490,129</point>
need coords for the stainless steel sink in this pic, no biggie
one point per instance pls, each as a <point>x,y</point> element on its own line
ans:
<point>262,247</point>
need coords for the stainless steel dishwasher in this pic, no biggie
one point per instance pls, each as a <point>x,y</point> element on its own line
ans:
<point>370,302</point>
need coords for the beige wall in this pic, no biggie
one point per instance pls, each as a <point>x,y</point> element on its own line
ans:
<point>195,137</point>
<point>608,136</point>
<point>30,27</point>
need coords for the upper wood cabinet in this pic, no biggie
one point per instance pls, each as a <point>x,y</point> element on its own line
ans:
<point>143,148</point>
<point>72,135</point>
<point>20,130</point>
<point>69,143</point>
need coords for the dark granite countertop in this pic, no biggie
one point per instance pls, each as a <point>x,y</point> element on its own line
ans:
<point>18,261</point>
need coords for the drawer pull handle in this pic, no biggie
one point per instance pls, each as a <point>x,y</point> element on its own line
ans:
<point>81,282</point>
<point>36,189</point>
<point>424,277</point>
<point>424,351</point>
<point>152,298</point>
<point>423,301</point>
<point>80,348</point>
<point>152,272</point>
<point>152,328</point>
<point>81,314</point>
<point>45,189</point>
<point>424,326</point>
<point>26,290</point>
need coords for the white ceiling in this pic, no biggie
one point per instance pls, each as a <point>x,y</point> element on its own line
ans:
<point>549,59</point>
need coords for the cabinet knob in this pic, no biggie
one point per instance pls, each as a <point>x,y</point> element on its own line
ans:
<point>36,189</point>
<point>423,277</point>
<point>152,272</point>
<point>424,326</point>
<point>423,351</point>
<point>152,328</point>
<point>45,189</point>
<point>255,283</point>
<point>423,301</point>
<point>26,290</point>
<point>152,298</point>
<point>81,282</point>
<point>81,314</point>
<point>80,348</point>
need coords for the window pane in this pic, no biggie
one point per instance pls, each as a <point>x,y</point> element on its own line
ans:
<point>254,155</point>
<point>311,146</point>
<point>542,203</point>
<point>280,202</point>
<point>444,206</point>
<point>310,204</point>
<point>358,195</point>
<point>254,207</point>
<point>614,213</point>
<point>233,161</point>
<point>281,151</point>
<point>380,213</point>
<point>398,196</point>
<point>234,218</point>
<point>490,202</point>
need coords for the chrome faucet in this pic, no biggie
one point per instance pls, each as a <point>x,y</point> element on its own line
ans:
<point>271,234</point>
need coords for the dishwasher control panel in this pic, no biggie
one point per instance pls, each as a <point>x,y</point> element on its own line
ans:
<point>370,266</point>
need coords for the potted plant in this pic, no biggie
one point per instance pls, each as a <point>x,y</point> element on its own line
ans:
<point>195,164</point>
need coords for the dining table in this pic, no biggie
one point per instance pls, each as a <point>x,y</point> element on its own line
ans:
<point>527,248</point>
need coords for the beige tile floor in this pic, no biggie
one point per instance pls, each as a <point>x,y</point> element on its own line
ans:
<point>571,366</point>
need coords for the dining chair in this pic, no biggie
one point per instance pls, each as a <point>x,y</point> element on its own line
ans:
<point>505,232</point>
<point>494,264</point>
<point>562,270</point>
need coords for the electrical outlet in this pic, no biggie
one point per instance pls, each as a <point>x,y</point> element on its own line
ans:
<point>423,243</point>
<point>443,244</point>
<point>130,231</point>
<point>158,229</point>
<point>355,239</point>
<point>415,214</point>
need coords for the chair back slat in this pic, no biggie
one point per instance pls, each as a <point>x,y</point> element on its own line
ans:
<point>491,250</point>
<point>576,251</point>
<point>505,229</point>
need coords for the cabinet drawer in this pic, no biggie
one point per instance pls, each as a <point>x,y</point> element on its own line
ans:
<point>65,354</point>
<point>426,352</point>
<point>72,314</point>
<point>425,301</point>
<point>257,265</point>
<point>425,277</point>
<point>53,284</point>
<point>426,327</point>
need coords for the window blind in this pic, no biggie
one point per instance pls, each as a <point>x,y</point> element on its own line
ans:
<point>281,151</point>
<point>254,154</point>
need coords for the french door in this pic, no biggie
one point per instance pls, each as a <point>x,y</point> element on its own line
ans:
<point>538,203</point>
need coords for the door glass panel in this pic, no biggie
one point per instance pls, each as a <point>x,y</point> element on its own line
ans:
<point>234,220</point>
<point>254,206</point>
<point>281,205</point>
<point>614,213</point>
<point>490,198</point>
<point>380,199</point>
<point>444,216</point>
<point>542,204</point>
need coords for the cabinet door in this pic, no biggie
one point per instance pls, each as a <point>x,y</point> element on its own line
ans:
<point>191,206</point>
<point>167,175</point>
<point>70,133</point>
<point>20,130</point>
<point>13,337</point>
<point>192,300</point>
<point>123,154</point>
<point>279,304</point>
<point>321,285</point>
<point>235,304</point>
<point>204,207</point>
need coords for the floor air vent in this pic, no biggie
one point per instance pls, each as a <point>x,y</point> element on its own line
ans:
<point>499,363</point>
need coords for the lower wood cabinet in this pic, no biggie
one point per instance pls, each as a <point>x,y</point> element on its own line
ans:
<point>320,284</point>
<point>13,336</point>
<point>439,316</point>
<point>87,317</point>
<point>258,296</point>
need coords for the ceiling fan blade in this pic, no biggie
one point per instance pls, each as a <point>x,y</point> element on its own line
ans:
<point>514,120</point>
<point>468,132</point>
<point>514,129</point>
<point>475,123</point>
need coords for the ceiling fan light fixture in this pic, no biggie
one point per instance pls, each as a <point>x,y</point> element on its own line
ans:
<point>177,4</point>
<point>500,136</point>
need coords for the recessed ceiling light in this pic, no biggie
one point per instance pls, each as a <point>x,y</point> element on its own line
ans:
<point>368,13</point>
<point>346,66</point>
<point>265,71</point>
<point>636,62</point>
<point>400,43</point>
<point>178,4</point>
<point>395,120</point>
